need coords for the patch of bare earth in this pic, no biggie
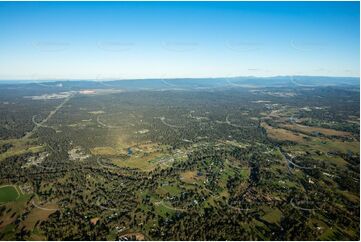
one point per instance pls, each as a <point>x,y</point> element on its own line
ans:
<point>282,134</point>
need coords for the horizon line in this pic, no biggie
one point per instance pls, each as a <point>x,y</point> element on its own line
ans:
<point>167,78</point>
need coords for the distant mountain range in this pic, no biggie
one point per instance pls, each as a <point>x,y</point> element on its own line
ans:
<point>196,83</point>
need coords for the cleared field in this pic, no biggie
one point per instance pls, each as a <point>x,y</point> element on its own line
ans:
<point>331,159</point>
<point>282,134</point>
<point>327,145</point>
<point>191,177</point>
<point>106,151</point>
<point>121,148</point>
<point>142,162</point>
<point>310,130</point>
<point>315,143</point>
<point>8,194</point>
<point>234,143</point>
<point>14,207</point>
<point>163,209</point>
<point>171,190</point>
<point>20,146</point>
<point>272,215</point>
<point>37,215</point>
<point>146,156</point>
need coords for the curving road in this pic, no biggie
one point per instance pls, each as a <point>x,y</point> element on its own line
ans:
<point>169,125</point>
<point>42,208</point>
<point>301,208</point>
<point>106,125</point>
<point>290,162</point>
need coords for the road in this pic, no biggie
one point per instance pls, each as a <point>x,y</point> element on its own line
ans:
<point>290,162</point>
<point>171,208</point>
<point>301,208</point>
<point>46,209</point>
<point>169,125</point>
<point>237,126</point>
<point>51,114</point>
<point>106,125</point>
<point>105,166</point>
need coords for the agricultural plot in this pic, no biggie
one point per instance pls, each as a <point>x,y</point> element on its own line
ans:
<point>8,193</point>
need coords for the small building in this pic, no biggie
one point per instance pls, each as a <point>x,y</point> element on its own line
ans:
<point>130,152</point>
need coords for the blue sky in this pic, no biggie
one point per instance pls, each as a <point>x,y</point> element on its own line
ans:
<point>106,40</point>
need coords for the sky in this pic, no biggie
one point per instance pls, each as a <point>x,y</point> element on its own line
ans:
<point>119,40</point>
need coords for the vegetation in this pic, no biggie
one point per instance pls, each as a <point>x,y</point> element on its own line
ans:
<point>179,163</point>
<point>8,194</point>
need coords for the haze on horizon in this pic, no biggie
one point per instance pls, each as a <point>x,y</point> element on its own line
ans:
<point>120,40</point>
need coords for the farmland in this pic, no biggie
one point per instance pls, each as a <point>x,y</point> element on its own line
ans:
<point>8,194</point>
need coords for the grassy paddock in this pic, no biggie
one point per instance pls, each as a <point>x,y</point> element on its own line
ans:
<point>8,193</point>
